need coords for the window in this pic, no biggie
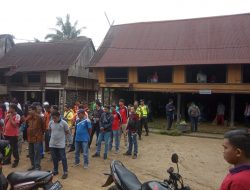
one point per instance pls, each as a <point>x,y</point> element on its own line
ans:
<point>155,74</point>
<point>116,74</point>
<point>206,73</point>
<point>34,78</point>
<point>53,77</point>
<point>246,73</point>
<point>17,78</point>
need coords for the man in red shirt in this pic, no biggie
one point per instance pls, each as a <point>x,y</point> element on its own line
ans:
<point>12,122</point>
<point>237,152</point>
<point>123,110</point>
<point>116,129</point>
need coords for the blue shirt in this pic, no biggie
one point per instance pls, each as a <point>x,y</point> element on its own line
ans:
<point>82,130</point>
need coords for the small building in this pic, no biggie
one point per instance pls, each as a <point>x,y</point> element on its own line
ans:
<point>206,60</point>
<point>50,71</point>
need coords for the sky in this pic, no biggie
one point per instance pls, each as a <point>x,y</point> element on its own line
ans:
<point>29,19</point>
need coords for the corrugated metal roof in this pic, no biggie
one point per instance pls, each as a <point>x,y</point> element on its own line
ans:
<point>26,57</point>
<point>212,40</point>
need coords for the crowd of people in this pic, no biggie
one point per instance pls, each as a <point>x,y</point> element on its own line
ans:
<point>47,130</point>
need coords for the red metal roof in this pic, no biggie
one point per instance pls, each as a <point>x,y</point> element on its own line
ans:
<point>212,40</point>
<point>27,57</point>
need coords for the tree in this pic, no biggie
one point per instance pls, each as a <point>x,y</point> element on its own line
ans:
<point>66,30</point>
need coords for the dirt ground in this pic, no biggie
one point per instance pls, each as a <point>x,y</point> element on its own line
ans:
<point>201,163</point>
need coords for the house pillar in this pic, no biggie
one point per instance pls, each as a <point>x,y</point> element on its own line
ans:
<point>178,107</point>
<point>103,96</point>
<point>87,96</point>
<point>25,97</point>
<point>232,110</point>
<point>43,95</point>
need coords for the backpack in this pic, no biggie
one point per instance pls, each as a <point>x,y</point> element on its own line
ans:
<point>194,111</point>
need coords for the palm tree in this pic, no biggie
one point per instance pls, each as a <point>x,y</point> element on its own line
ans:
<point>66,30</point>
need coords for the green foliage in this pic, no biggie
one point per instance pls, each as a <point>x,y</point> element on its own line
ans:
<point>65,30</point>
<point>174,132</point>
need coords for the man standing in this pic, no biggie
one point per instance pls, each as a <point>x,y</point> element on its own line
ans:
<point>59,129</point>
<point>68,116</point>
<point>194,113</point>
<point>123,110</point>
<point>106,121</point>
<point>47,118</point>
<point>132,133</point>
<point>139,113</point>
<point>83,131</point>
<point>220,114</point>
<point>116,129</point>
<point>35,137</point>
<point>12,122</point>
<point>95,119</point>
<point>144,119</point>
<point>170,108</point>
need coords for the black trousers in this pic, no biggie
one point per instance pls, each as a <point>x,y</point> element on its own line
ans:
<point>14,148</point>
<point>95,130</point>
<point>169,121</point>
<point>144,123</point>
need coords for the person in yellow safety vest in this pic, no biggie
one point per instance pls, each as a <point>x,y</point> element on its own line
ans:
<point>144,118</point>
<point>138,111</point>
<point>68,116</point>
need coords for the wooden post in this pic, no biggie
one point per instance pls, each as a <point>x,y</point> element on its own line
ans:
<point>43,95</point>
<point>25,97</point>
<point>232,110</point>
<point>103,96</point>
<point>178,107</point>
<point>87,96</point>
<point>109,95</point>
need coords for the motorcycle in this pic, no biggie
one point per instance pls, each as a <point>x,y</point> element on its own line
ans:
<point>31,180</point>
<point>126,180</point>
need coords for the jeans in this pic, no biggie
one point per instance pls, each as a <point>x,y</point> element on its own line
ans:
<point>125,135</point>
<point>14,147</point>
<point>144,122</point>
<point>95,130</point>
<point>106,137</point>
<point>34,154</point>
<point>115,135</point>
<point>47,139</point>
<point>194,123</point>
<point>132,139</point>
<point>85,149</point>
<point>59,154</point>
<point>169,121</point>
<point>247,121</point>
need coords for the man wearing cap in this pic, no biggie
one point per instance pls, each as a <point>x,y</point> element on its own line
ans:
<point>144,119</point>
<point>83,131</point>
<point>106,121</point>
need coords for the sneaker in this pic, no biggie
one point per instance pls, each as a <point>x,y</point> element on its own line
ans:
<point>85,166</point>
<point>65,176</point>
<point>96,155</point>
<point>14,165</point>
<point>55,173</point>
<point>117,152</point>
<point>127,154</point>
<point>146,134</point>
<point>105,156</point>
<point>76,164</point>
<point>31,168</point>
<point>71,150</point>
<point>139,137</point>
<point>134,156</point>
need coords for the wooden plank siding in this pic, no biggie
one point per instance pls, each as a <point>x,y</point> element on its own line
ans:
<point>233,85</point>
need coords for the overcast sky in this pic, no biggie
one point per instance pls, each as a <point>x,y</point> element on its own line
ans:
<point>29,19</point>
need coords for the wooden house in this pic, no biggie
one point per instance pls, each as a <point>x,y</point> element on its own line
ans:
<point>50,71</point>
<point>205,60</point>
